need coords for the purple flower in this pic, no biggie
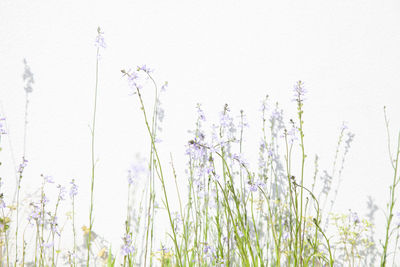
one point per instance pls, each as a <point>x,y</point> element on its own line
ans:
<point>62,192</point>
<point>292,134</point>
<point>99,42</point>
<point>35,214</point>
<point>200,113</point>
<point>397,222</point>
<point>354,217</point>
<point>73,191</point>
<point>164,87</point>
<point>145,69</point>
<point>127,247</point>
<point>253,186</point>
<point>2,126</point>
<point>299,92</point>
<point>241,160</point>
<point>54,226</point>
<point>2,203</point>
<point>22,165</point>
<point>47,245</point>
<point>49,179</point>
<point>137,170</point>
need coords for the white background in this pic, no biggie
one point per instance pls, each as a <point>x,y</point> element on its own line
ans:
<point>210,52</point>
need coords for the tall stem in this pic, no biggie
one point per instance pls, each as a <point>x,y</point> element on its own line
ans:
<point>93,160</point>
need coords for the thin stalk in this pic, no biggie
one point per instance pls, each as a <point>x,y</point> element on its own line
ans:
<point>93,159</point>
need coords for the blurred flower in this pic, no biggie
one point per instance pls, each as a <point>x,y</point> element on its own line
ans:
<point>54,226</point>
<point>28,78</point>
<point>253,186</point>
<point>35,214</point>
<point>242,161</point>
<point>137,169</point>
<point>73,191</point>
<point>47,244</point>
<point>164,87</point>
<point>127,247</point>
<point>2,126</point>
<point>49,179</point>
<point>354,217</point>
<point>99,42</point>
<point>22,165</point>
<point>62,192</point>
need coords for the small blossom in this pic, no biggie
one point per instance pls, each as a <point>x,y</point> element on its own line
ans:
<point>145,69</point>
<point>164,87</point>
<point>2,126</point>
<point>137,170</point>
<point>62,192</point>
<point>2,203</point>
<point>354,217</point>
<point>47,244</point>
<point>253,186</point>
<point>242,161</point>
<point>127,247</point>
<point>397,222</point>
<point>54,226</point>
<point>200,113</point>
<point>49,179</point>
<point>22,165</point>
<point>99,42</point>
<point>73,191</point>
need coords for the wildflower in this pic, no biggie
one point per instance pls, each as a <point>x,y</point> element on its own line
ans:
<point>136,170</point>
<point>28,78</point>
<point>2,126</point>
<point>354,217</point>
<point>127,247</point>
<point>48,179</point>
<point>243,120</point>
<point>299,92</point>
<point>164,86</point>
<point>54,226</point>
<point>35,214</point>
<point>145,69</point>
<point>344,126</point>
<point>22,165</point>
<point>253,186</point>
<point>292,134</point>
<point>177,221</point>
<point>241,160</point>
<point>200,112</point>
<point>397,222</point>
<point>47,244</point>
<point>99,42</point>
<point>62,192</point>
<point>73,190</point>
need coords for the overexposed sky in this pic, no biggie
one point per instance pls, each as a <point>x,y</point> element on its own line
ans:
<point>210,52</point>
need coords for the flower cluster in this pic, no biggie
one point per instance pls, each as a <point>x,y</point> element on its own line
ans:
<point>127,247</point>
<point>299,92</point>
